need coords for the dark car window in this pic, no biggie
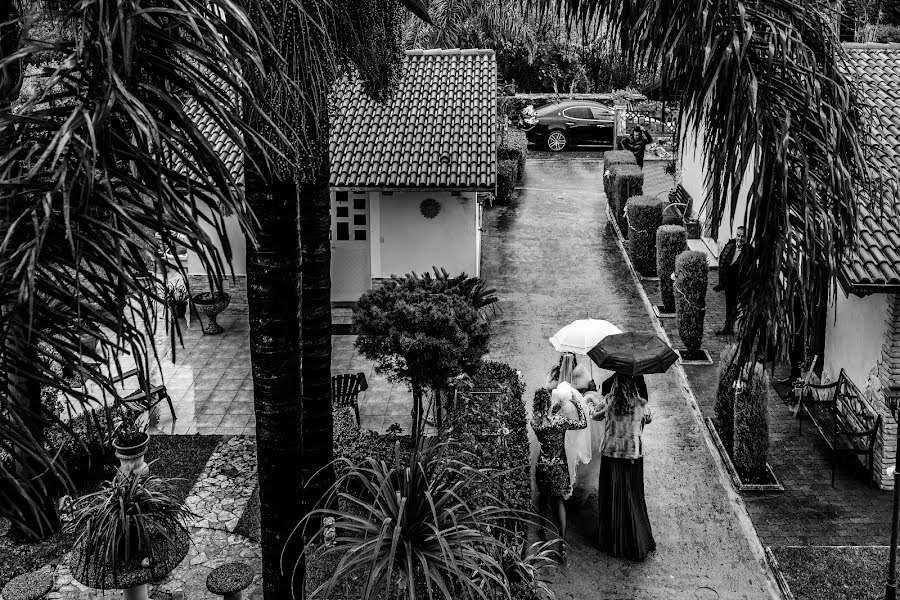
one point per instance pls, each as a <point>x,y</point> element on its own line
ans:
<point>578,112</point>
<point>601,114</point>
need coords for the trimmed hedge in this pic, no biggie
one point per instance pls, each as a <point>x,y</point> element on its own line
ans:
<point>644,218</point>
<point>751,424</point>
<point>724,408</point>
<point>514,146</point>
<point>627,181</point>
<point>671,240</point>
<point>691,279</point>
<point>612,158</point>
<point>507,172</point>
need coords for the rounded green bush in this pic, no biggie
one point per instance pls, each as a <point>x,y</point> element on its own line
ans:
<point>627,181</point>
<point>724,408</point>
<point>691,279</point>
<point>671,240</point>
<point>751,424</point>
<point>618,157</point>
<point>507,172</point>
<point>644,218</point>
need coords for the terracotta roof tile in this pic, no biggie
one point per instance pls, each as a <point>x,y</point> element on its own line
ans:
<point>875,262</point>
<point>445,106</point>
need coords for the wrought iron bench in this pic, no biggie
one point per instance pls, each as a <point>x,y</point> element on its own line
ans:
<point>847,421</point>
<point>146,396</point>
<point>345,389</point>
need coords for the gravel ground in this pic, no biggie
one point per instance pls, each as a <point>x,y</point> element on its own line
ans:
<point>834,572</point>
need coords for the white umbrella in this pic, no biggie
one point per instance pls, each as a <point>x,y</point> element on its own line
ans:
<point>582,335</point>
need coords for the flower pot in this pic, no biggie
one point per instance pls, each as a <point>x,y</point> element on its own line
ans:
<point>136,593</point>
<point>179,309</point>
<point>211,305</point>
<point>130,451</point>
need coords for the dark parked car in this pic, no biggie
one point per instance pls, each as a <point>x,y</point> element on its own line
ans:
<point>567,124</point>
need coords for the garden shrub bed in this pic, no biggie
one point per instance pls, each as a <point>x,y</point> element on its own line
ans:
<point>181,456</point>
<point>514,146</point>
<point>507,173</point>
<point>832,572</point>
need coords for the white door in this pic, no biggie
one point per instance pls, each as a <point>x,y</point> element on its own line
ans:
<point>350,261</point>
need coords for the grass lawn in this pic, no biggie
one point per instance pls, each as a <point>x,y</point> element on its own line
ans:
<point>181,456</point>
<point>835,573</point>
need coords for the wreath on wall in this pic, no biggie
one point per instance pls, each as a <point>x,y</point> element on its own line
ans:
<point>429,208</point>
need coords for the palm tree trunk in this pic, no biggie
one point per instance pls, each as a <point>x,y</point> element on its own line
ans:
<point>274,294</point>
<point>317,444</point>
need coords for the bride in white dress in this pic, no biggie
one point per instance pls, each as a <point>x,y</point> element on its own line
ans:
<point>565,377</point>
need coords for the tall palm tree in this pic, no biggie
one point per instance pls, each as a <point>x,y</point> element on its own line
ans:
<point>289,269</point>
<point>764,82</point>
<point>102,165</point>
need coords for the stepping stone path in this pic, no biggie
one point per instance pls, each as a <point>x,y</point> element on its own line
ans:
<point>218,498</point>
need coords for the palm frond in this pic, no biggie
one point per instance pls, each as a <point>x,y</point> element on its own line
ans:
<point>105,169</point>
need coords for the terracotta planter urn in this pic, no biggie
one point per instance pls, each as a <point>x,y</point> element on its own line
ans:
<point>210,305</point>
<point>130,450</point>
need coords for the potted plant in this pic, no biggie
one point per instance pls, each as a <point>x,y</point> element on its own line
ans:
<point>177,298</point>
<point>130,441</point>
<point>211,304</point>
<point>130,532</point>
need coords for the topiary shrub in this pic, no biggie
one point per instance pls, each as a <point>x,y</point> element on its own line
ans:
<point>611,159</point>
<point>514,146</point>
<point>671,240</point>
<point>507,171</point>
<point>751,424</point>
<point>627,181</point>
<point>691,279</point>
<point>644,217</point>
<point>724,408</point>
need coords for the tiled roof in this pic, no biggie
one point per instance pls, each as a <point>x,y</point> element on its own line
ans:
<point>437,131</point>
<point>875,266</point>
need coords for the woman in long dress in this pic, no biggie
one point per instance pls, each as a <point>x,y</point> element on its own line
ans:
<point>554,415</point>
<point>624,524</point>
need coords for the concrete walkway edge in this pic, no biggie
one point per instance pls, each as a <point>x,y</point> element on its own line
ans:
<point>737,503</point>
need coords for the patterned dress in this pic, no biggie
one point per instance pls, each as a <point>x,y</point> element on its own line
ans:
<point>552,470</point>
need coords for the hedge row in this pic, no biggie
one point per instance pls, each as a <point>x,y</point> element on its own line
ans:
<point>691,279</point>
<point>612,158</point>
<point>514,146</point>
<point>626,181</point>
<point>671,240</point>
<point>644,218</point>
<point>751,424</point>
<point>507,172</point>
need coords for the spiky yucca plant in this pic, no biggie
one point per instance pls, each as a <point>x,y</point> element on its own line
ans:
<point>422,528</point>
<point>129,519</point>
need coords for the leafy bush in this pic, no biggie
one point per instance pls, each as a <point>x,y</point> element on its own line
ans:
<point>420,337</point>
<point>507,173</point>
<point>887,34</point>
<point>671,240</point>
<point>751,424</point>
<point>473,289</point>
<point>428,521</point>
<point>691,279</point>
<point>627,181</point>
<point>724,409</point>
<point>514,146</point>
<point>87,444</point>
<point>644,217</point>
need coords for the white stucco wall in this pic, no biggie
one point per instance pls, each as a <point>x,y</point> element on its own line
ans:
<point>410,242</point>
<point>237,242</point>
<point>854,335</point>
<point>693,179</point>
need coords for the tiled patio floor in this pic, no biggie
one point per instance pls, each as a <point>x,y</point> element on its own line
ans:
<point>212,389</point>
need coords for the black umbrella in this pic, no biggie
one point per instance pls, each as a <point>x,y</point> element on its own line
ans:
<point>633,354</point>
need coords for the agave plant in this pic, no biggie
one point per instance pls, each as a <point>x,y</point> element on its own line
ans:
<point>421,528</point>
<point>525,566</point>
<point>130,520</point>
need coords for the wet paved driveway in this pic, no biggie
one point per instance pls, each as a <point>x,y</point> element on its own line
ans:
<point>553,260</point>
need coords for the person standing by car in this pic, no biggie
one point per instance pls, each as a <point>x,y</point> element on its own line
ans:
<point>637,142</point>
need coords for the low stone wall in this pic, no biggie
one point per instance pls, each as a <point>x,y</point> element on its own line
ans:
<point>234,286</point>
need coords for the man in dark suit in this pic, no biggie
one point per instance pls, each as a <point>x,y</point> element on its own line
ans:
<point>733,264</point>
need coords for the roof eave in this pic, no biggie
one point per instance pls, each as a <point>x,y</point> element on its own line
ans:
<point>865,289</point>
<point>388,188</point>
